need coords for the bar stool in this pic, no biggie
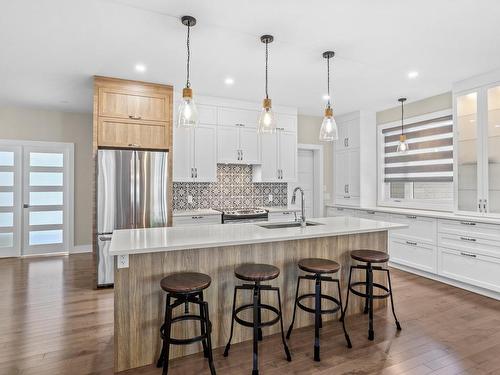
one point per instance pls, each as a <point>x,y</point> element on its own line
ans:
<point>257,273</point>
<point>185,288</point>
<point>369,257</point>
<point>318,267</point>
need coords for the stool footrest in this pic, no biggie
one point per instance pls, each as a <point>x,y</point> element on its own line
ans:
<point>262,306</point>
<point>190,340</point>
<point>375,285</point>
<point>323,296</point>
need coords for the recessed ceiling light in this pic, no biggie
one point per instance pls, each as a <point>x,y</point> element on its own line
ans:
<point>412,75</point>
<point>229,81</point>
<point>326,97</point>
<point>141,68</point>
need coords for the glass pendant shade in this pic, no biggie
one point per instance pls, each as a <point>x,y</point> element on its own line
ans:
<point>267,119</point>
<point>188,113</point>
<point>329,130</point>
<point>403,144</point>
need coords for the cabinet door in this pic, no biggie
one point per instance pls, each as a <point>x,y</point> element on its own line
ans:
<point>183,152</point>
<point>493,150</point>
<point>136,106</point>
<point>115,133</point>
<point>227,144</point>
<point>205,153</point>
<point>353,133</point>
<point>341,143</point>
<point>249,145</point>
<point>469,173</point>
<point>288,156</point>
<point>269,154</point>
<point>341,173</point>
<point>353,171</point>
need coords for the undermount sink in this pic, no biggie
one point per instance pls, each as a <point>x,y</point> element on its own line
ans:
<point>286,225</point>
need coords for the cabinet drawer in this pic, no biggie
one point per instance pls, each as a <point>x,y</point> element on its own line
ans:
<point>134,106</point>
<point>282,216</point>
<point>242,117</point>
<point>470,267</point>
<point>419,255</point>
<point>196,220</point>
<point>468,242</point>
<point>470,228</point>
<point>115,133</point>
<point>421,229</point>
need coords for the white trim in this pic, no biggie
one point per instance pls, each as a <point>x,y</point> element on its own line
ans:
<point>78,249</point>
<point>445,280</point>
<point>317,151</point>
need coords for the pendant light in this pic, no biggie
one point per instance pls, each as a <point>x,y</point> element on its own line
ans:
<point>328,131</point>
<point>267,120</point>
<point>188,114</point>
<point>403,143</point>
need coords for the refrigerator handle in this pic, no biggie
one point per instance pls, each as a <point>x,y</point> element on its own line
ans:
<point>104,238</point>
<point>134,190</point>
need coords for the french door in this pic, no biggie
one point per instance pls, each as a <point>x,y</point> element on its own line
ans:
<point>36,182</point>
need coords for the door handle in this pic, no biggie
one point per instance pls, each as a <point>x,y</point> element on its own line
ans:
<point>484,205</point>
<point>241,154</point>
<point>26,205</point>
<point>468,239</point>
<point>468,255</point>
<point>411,243</point>
<point>348,188</point>
<point>411,216</point>
<point>192,173</point>
<point>133,145</point>
<point>479,205</point>
<point>467,223</point>
<point>196,173</point>
<point>134,117</point>
<point>104,238</point>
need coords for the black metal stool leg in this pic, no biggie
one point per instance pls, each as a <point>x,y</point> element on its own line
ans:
<point>342,317</point>
<point>166,340</point>
<point>320,316</point>
<point>287,352</point>
<point>367,287</point>
<point>371,334</point>
<point>209,338</point>
<point>164,346</point>
<point>228,345</point>
<point>349,345</point>
<point>255,369</point>
<point>294,308</point>
<point>259,317</point>
<point>398,326</point>
<point>202,325</point>
<point>317,316</point>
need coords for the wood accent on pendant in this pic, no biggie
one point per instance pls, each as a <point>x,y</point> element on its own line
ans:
<point>139,299</point>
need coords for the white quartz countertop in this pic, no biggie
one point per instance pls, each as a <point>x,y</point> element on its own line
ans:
<point>137,241</point>
<point>425,213</point>
<point>204,212</point>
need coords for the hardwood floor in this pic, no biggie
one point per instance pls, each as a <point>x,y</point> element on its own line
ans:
<point>52,322</point>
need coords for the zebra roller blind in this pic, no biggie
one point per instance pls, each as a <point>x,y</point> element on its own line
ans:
<point>430,155</point>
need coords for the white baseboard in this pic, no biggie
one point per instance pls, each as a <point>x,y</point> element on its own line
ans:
<point>455,283</point>
<point>77,249</point>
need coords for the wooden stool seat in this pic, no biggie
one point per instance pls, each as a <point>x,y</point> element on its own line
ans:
<point>185,282</point>
<point>318,265</point>
<point>256,272</point>
<point>370,256</point>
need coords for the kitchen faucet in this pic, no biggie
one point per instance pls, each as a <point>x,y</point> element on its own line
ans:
<point>302,208</point>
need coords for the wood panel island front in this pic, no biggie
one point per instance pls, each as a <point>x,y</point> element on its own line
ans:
<point>216,250</point>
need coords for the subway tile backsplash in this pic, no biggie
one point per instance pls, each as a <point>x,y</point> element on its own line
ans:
<point>234,189</point>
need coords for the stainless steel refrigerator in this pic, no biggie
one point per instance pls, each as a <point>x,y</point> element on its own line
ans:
<point>131,193</point>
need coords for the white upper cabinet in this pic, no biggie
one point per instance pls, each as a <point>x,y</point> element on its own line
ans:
<point>249,146</point>
<point>240,117</point>
<point>287,155</point>
<point>477,145</point>
<point>183,154</point>
<point>238,145</point>
<point>268,171</point>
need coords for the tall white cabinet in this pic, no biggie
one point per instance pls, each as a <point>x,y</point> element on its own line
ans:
<point>354,160</point>
<point>477,145</point>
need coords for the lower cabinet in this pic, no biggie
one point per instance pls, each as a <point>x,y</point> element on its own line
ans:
<point>470,267</point>
<point>179,221</point>
<point>419,255</point>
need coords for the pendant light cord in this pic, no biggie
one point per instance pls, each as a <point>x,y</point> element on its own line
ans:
<point>328,80</point>
<point>188,84</point>
<point>267,58</point>
<point>402,117</point>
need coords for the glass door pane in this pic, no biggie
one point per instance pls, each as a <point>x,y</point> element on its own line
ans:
<point>44,200</point>
<point>494,150</point>
<point>9,200</point>
<point>467,152</point>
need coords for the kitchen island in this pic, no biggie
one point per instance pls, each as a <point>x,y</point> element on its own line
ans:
<point>216,250</point>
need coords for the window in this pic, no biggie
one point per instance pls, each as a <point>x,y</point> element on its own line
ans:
<point>422,177</point>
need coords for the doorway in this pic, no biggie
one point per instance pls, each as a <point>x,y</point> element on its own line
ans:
<point>36,197</point>
<point>310,178</point>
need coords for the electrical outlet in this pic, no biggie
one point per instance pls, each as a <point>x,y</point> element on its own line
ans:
<point>190,199</point>
<point>270,197</point>
<point>122,261</point>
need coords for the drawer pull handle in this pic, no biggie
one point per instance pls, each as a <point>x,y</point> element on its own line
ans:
<point>286,213</point>
<point>468,239</point>
<point>468,255</point>
<point>467,223</point>
<point>411,243</point>
<point>347,196</point>
<point>370,212</point>
<point>340,209</point>
<point>133,145</point>
<point>134,117</point>
<point>196,217</point>
<point>411,216</point>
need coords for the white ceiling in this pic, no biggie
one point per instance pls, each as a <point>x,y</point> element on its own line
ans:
<point>50,49</point>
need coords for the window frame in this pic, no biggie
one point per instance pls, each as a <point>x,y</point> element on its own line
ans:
<point>423,204</point>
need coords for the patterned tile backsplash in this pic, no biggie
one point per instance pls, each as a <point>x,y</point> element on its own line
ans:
<point>234,189</point>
